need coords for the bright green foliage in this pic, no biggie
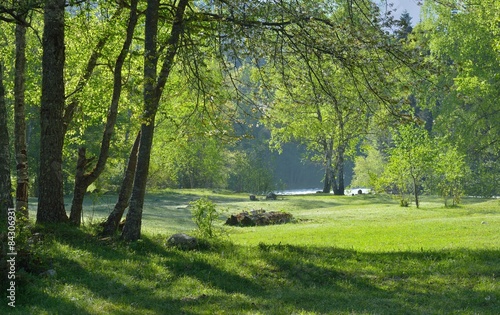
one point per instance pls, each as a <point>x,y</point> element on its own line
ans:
<point>451,172</point>
<point>322,108</point>
<point>98,30</point>
<point>193,131</point>
<point>417,162</point>
<point>189,163</point>
<point>463,47</point>
<point>205,215</point>
<point>327,83</point>
<point>410,161</point>
<point>250,172</point>
<point>86,25</point>
<point>368,168</point>
<point>302,110</point>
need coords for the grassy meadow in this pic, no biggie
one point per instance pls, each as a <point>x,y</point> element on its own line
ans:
<point>341,255</point>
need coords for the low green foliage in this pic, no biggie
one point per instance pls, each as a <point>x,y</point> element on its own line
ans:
<point>417,163</point>
<point>450,171</point>
<point>368,167</point>
<point>344,255</point>
<point>205,214</point>
<point>410,161</point>
<point>404,202</point>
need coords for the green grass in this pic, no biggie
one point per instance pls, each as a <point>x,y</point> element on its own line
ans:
<point>342,255</point>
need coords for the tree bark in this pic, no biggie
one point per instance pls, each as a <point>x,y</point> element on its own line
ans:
<point>111,224</point>
<point>51,193</point>
<point>339,168</point>
<point>20,122</point>
<point>415,190</point>
<point>84,180</point>
<point>5,181</point>
<point>152,93</point>
<point>80,188</point>
<point>327,183</point>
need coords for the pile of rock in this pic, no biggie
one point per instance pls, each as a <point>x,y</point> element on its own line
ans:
<point>259,217</point>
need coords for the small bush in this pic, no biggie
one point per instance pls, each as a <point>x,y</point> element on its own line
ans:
<point>204,215</point>
<point>404,202</point>
<point>26,245</point>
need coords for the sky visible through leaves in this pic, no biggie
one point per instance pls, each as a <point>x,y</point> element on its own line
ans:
<point>412,6</point>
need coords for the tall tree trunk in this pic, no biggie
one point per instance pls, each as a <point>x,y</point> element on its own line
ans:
<point>327,183</point>
<point>152,94</point>
<point>84,180</point>
<point>339,168</point>
<point>5,181</point>
<point>111,224</point>
<point>20,122</point>
<point>51,193</point>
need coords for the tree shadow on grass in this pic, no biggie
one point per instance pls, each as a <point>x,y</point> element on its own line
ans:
<point>92,272</point>
<point>272,281</point>
<point>145,277</point>
<point>431,282</point>
<point>25,306</point>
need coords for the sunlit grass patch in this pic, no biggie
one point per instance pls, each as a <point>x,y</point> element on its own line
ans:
<point>342,255</point>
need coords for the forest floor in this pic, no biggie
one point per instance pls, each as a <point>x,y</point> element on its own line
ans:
<point>359,254</point>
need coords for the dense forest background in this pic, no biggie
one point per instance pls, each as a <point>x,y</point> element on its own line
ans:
<point>250,96</point>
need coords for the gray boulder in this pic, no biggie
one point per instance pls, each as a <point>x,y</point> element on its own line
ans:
<point>182,241</point>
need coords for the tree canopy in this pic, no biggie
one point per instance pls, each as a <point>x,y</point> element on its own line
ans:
<point>211,87</point>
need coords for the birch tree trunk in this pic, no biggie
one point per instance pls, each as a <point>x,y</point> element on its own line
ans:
<point>5,181</point>
<point>20,122</point>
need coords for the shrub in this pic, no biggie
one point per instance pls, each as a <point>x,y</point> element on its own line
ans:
<point>204,215</point>
<point>404,202</point>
